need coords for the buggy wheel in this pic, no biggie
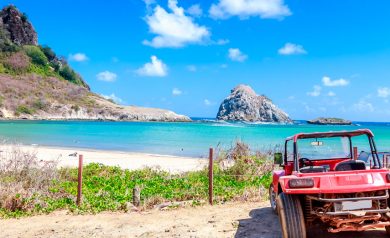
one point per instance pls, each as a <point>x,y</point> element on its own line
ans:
<point>388,230</point>
<point>272,198</point>
<point>291,216</point>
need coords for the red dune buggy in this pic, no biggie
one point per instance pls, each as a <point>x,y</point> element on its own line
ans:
<point>326,182</point>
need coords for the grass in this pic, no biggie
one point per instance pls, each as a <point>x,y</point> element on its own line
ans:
<point>108,188</point>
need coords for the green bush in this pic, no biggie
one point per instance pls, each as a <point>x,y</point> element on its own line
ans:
<point>24,109</point>
<point>2,68</point>
<point>39,104</point>
<point>36,55</point>
<point>49,53</point>
<point>69,74</point>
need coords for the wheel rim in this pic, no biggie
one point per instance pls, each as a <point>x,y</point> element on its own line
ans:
<point>272,198</point>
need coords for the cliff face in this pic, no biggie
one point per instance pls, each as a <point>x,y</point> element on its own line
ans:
<point>243,104</point>
<point>37,84</point>
<point>17,27</point>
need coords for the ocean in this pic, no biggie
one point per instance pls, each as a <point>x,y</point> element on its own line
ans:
<point>181,139</point>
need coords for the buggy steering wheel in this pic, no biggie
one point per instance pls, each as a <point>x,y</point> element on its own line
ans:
<point>306,161</point>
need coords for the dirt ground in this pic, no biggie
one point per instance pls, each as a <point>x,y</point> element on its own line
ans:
<point>229,220</point>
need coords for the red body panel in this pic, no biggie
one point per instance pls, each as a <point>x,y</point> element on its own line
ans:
<point>336,182</point>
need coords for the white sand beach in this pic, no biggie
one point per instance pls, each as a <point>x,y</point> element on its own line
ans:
<point>126,160</point>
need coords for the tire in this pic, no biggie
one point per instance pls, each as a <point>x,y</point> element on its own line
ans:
<point>272,199</point>
<point>291,216</point>
<point>388,231</point>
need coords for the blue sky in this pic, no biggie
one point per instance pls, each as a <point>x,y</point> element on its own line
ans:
<point>312,58</point>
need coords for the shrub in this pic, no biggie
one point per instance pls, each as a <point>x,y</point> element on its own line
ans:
<point>69,74</point>
<point>24,17</point>
<point>36,55</point>
<point>2,68</point>
<point>49,53</point>
<point>39,104</point>
<point>18,62</point>
<point>23,109</point>
<point>24,180</point>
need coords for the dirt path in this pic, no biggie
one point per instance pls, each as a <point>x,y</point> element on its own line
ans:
<point>230,220</point>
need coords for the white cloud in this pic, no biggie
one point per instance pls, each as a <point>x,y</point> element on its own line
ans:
<point>292,49</point>
<point>176,92</point>
<point>236,55</point>
<point>113,97</point>
<point>334,83</point>
<point>174,29</point>
<point>156,68</point>
<point>331,94</point>
<point>195,10</point>
<point>247,8</point>
<point>363,106</point>
<point>383,92</point>
<point>192,68</point>
<point>316,91</point>
<point>78,57</point>
<point>106,76</point>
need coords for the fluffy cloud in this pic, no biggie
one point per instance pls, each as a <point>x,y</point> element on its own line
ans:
<point>156,68</point>
<point>113,97</point>
<point>334,83</point>
<point>106,76</point>
<point>247,8</point>
<point>236,55</point>
<point>195,10</point>
<point>316,91</point>
<point>176,92</point>
<point>383,92</point>
<point>174,29</point>
<point>78,57</point>
<point>292,49</point>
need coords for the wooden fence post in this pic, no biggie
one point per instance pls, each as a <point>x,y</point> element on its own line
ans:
<point>211,176</point>
<point>136,196</point>
<point>80,181</point>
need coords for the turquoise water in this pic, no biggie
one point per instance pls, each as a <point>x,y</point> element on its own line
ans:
<point>187,139</point>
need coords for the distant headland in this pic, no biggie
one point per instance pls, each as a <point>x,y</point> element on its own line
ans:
<point>36,84</point>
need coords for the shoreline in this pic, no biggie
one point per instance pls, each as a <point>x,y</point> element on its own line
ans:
<point>123,159</point>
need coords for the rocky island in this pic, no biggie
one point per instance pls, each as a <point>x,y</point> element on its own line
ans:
<point>37,84</point>
<point>243,104</point>
<point>329,121</point>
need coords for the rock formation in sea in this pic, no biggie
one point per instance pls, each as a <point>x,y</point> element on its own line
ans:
<point>329,121</point>
<point>37,84</point>
<point>243,104</point>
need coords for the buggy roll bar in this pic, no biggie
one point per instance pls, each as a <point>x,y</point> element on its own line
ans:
<point>349,134</point>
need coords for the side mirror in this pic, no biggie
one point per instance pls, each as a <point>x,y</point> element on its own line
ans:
<point>278,158</point>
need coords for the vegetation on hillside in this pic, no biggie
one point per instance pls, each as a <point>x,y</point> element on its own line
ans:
<point>28,186</point>
<point>22,59</point>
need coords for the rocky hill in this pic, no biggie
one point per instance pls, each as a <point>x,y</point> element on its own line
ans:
<point>243,104</point>
<point>35,83</point>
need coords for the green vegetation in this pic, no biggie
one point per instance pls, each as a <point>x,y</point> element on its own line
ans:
<point>107,188</point>
<point>24,109</point>
<point>36,55</point>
